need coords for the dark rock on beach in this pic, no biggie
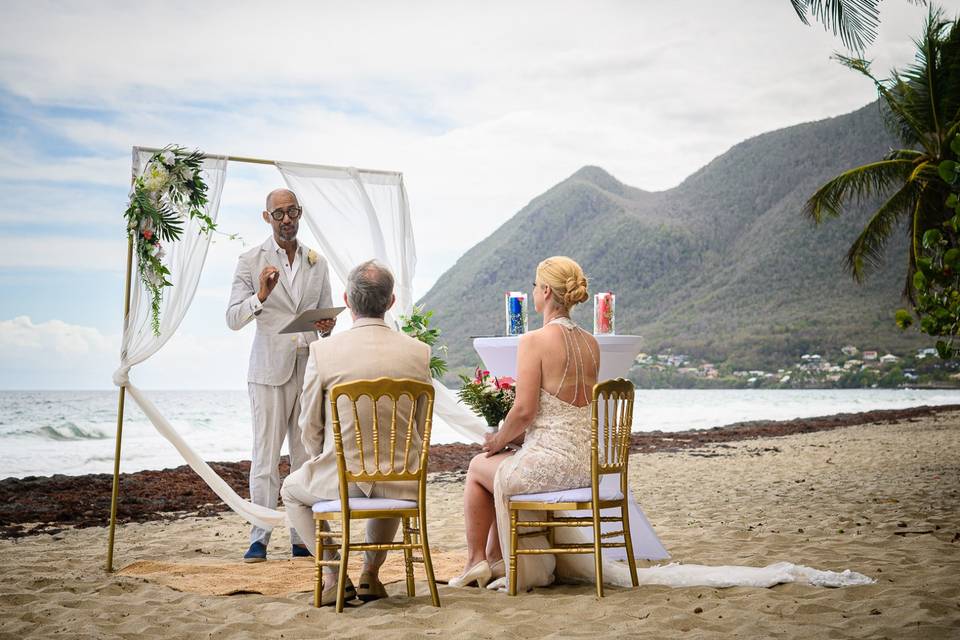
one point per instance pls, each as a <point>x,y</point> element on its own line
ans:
<point>47,504</point>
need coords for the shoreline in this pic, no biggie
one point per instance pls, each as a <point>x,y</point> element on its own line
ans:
<point>48,504</point>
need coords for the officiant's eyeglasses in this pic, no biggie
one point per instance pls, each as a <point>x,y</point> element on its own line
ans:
<point>291,212</point>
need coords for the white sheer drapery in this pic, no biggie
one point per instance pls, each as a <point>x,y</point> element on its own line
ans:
<point>185,259</point>
<point>357,215</point>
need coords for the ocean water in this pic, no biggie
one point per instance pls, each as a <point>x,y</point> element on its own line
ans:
<point>72,432</point>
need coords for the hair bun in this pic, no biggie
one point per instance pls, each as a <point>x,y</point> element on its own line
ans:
<point>576,291</point>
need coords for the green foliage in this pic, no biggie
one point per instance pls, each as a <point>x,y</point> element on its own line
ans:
<point>923,105</point>
<point>490,398</point>
<point>937,280</point>
<point>418,326</point>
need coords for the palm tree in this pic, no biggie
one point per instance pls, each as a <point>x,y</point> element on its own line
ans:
<point>922,106</point>
<point>856,21</point>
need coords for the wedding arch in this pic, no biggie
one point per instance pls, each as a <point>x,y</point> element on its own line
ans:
<point>354,214</point>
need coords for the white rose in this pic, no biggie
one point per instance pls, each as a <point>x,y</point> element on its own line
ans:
<point>146,224</point>
<point>156,177</point>
<point>169,158</point>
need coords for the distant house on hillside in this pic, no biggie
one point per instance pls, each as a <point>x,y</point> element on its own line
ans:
<point>889,358</point>
<point>869,355</point>
<point>850,350</point>
<point>924,353</point>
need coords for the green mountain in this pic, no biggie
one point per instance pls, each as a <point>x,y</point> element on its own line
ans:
<point>723,267</point>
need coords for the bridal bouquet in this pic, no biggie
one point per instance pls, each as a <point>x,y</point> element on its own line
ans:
<point>490,398</point>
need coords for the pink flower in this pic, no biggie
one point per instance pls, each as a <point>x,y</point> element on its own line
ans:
<point>506,382</point>
<point>147,234</point>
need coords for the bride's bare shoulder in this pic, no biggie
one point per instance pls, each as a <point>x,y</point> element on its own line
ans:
<point>540,339</point>
<point>533,338</point>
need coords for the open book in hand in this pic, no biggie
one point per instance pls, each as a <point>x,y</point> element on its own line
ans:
<point>304,321</point>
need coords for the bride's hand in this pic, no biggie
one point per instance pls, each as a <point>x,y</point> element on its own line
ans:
<point>491,444</point>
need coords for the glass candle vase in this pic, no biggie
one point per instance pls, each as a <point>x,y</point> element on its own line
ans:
<point>604,314</point>
<point>516,313</point>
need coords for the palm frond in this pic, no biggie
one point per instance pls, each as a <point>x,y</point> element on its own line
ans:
<point>900,117</point>
<point>950,72</point>
<point>919,87</point>
<point>855,184</point>
<point>866,252</point>
<point>855,21</point>
<point>905,154</point>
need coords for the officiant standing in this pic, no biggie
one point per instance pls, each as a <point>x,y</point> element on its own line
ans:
<point>274,283</point>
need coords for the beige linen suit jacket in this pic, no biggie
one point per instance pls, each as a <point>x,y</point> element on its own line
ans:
<point>368,350</point>
<point>274,355</point>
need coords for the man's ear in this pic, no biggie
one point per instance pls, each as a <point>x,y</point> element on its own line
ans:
<point>393,299</point>
<point>345,301</point>
<point>266,217</point>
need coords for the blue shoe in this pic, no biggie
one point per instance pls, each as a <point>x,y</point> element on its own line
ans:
<point>300,551</point>
<point>256,553</point>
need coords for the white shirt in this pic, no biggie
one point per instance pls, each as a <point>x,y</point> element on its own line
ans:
<point>288,271</point>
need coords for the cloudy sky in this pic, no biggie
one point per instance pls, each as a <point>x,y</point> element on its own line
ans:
<point>482,106</point>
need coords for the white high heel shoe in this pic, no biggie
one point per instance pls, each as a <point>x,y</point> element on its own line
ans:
<point>479,573</point>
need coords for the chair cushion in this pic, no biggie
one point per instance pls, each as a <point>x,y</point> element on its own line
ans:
<point>329,506</point>
<point>583,494</point>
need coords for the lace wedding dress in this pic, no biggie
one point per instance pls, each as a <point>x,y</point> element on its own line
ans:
<point>556,455</point>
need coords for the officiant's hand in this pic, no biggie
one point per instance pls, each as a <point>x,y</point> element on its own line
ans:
<point>268,280</point>
<point>325,326</point>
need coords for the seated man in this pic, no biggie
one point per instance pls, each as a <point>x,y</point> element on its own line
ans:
<point>369,350</point>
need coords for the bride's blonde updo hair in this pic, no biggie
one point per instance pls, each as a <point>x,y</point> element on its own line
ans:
<point>565,278</point>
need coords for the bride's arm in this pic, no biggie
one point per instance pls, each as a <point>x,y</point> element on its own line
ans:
<point>527,400</point>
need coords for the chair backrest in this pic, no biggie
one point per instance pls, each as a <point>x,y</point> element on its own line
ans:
<point>407,404</point>
<point>610,445</point>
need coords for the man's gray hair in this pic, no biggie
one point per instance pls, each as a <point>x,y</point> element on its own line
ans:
<point>369,288</point>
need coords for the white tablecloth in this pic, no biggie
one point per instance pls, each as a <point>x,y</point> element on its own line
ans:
<point>499,354</point>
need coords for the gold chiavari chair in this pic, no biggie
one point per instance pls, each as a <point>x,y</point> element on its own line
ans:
<point>372,465</point>
<point>609,454</point>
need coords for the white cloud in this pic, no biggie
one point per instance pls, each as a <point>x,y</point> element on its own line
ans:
<point>59,355</point>
<point>63,252</point>
<point>56,338</point>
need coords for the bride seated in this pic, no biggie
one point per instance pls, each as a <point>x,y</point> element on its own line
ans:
<point>557,367</point>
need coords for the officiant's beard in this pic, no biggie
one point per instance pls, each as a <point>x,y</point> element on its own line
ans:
<point>287,233</point>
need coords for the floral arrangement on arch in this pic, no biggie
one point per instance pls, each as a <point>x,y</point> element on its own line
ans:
<point>490,397</point>
<point>170,192</point>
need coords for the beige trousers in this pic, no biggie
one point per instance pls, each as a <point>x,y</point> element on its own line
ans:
<point>276,412</point>
<point>299,504</point>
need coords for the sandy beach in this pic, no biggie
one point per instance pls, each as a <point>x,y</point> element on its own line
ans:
<point>880,498</point>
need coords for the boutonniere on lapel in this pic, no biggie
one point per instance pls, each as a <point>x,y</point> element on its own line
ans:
<point>312,257</point>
